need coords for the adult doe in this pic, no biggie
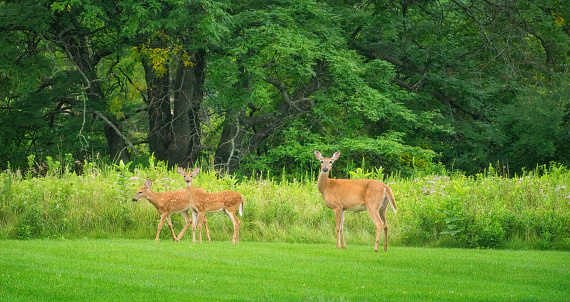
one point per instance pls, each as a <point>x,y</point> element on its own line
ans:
<point>355,195</point>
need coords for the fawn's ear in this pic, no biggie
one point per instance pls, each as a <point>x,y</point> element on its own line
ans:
<point>336,155</point>
<point>180,171</point>
<point>196,171</point>
<point>148,183</point>
<point>318,155</point>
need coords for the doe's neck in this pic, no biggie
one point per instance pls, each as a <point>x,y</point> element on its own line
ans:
<point>323,180</point>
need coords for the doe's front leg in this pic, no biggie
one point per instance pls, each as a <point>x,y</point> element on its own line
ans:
<point>338,214</point>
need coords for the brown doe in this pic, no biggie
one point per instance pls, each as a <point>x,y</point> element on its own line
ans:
<point>166,203</point>
<point>355,195</point>
<point>201,202</point>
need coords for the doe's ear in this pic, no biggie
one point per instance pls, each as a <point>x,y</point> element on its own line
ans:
<point>336,155</point>
<point>318,155</point>
<point>196,171</point>
<point>180,171</point>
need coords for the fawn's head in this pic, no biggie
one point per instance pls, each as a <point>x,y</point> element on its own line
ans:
<point>188,177</point>
<point>142,192</point>
<point>326,162</point>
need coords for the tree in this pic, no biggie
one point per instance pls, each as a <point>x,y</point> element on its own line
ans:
<point>71,86</point>
<point>173,40</point>
<point>467,60</point>
<point>289,63</point>
<point>255,84</point>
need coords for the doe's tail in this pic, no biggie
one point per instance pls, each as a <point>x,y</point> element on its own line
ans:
<point>391,198</point>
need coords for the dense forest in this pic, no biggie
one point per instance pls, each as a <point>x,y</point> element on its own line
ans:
<point>258,85</point>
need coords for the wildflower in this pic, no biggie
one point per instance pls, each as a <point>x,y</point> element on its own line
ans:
<point>427,191</point>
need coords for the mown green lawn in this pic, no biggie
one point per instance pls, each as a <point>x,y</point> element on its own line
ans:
<point>119,270</point>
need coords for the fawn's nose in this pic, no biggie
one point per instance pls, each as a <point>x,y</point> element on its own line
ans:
<point>134,199</point>
<point>325,169</point>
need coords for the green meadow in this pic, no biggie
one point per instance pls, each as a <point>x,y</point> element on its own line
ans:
<point>141,269</point>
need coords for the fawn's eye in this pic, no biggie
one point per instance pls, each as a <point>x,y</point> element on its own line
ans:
<point>322,161</point>
<point>330,162</point>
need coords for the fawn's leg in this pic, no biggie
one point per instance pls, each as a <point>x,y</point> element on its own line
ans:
<point>160,224</point>
<point>186,226</point>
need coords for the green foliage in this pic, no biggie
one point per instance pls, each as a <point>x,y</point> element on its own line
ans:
<point>453,211</point>
<point>453,217</point>
<point>123,176</point>
<point>443,62</point>
<point>485,211</point>
<point>406,85</point>
<point>359,174</point>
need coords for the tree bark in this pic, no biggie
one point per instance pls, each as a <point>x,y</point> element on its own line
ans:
<point>186,127</point>
<point>174,104</point>
<point>159,114</point>
<point>230,149</point>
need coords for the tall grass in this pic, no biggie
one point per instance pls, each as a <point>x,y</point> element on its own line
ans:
<point>530,211</point>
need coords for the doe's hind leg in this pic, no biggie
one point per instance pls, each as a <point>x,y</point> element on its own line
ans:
<point>375,215</point>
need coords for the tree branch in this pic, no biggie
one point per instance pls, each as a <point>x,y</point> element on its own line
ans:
<point>99,114</point>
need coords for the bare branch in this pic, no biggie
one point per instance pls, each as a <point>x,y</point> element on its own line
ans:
<point>99,114</point>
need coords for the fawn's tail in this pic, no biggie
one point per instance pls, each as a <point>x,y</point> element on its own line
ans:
<point>241,207</point>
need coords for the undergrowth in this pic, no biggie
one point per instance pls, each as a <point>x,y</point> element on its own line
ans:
<point>530,211</point>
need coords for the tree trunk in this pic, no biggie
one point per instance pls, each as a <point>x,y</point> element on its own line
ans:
<point>186,127</point>
<point>175,130</point>
<point>159,114</point>
<point>117,150</point>
<point>229,150</point>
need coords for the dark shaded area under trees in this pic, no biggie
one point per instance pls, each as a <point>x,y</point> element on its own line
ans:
<point>258,85</point>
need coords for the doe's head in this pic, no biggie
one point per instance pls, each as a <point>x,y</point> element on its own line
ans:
<point>326,162</point>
